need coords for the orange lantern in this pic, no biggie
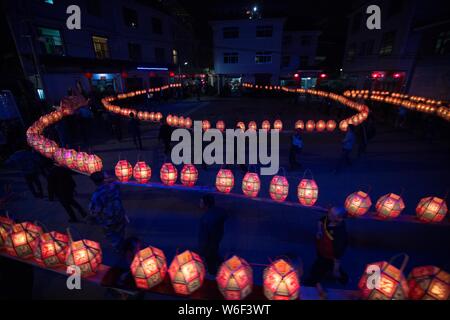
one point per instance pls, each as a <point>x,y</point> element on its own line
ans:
<point>252,126</point>
<point>358,203</point>
<point>389,206</point>
<point>123,170</point>
<point>169,120</point>
<point>300,125</point>
<point>265,125</point>
<point>321,126</point>
<point>278,125</point>
<point>142,172</point>
<point>51,249</point>
<point>392,283</point>
<point>188,123</point>
<point>151,116</point>
<point>149,267</point>
<point>85,254</point>
<point>70,157</point>
<point>93,164</point>
<point>279,188</point>
<point>22,240</point>
<point>175,121</point>
<point>6,225</point>
<point>186,272</point>
<point>343,125</point>
<point>220,125</point>
<point>431,209</point>
<point>307,192</point>
<point>48,148</point>
<point>251,184</point>
<point>189,175</point>
<point>225,180</point>
<point>331,125</point>
<point>168,174</point>
<point>280,281</point>
<point>235,279</point>
<point>310,125</point>
<point>206,125</point>
<point>81,161</point>
<point>158,116</point>
<point>429,283</point>
<point>240,125</point>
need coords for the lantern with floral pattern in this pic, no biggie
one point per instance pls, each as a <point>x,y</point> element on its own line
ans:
<point>389,206</point>
<point>225,180</point>
<point>280,281</point>
<point>187,272</point>
<point>85,254</point>
<point>358,203</point>
<point>235,279</point>
<point>70,157</point>
<point>307,192</point>
<point>142,172</point>
<point>93,164</point>
<point>168,174</point>
<point>81,161</point>
<point>22,240</point>
<point>58,156</point>
<point>149,267</point>
<point>123,170</point>
<point>279,188</point>
<point>48,148</point>
<point>251,184</point>
<point>429,283</point>
<point>51,249</point>
<point>189,175</point>
<point>431,209</point>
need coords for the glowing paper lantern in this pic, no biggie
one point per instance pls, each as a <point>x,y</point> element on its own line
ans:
<point>93,164</point>
<point>240,125</point>
<point>158,116</point>
<point>188,123</point>
<point>358,203</point>
<point>280,281</point>
<point>331,125</point>
<point>251,184</point>
<point>429,283</point>
<point>225,180</point>
<point>389,206</point>
<point>51,249</point>
<point>175,121</point>
<point>206,125</point>
<point>85,254</point>
<point>123,170</point>
<point>22,240</point>
<point>392,283</point>
<point>58,156</point>
<point>168,174</point>
<point>300,125</point>
<point>6,225</point>
<point>181,121</point>
<point>252,126</point>
<point>431,209</point>
<point>149,268</point>
<point>265,125</point>
<point>310,125</point>
<point>70,157</point>
<point>278,125</point>
<point>189,175</point>
<point>321,126</point>
<point>81,161</point>
<point>307,192</point>
<point>48,148</point>
<point>142,172</point>
<point>220,125</point>
<point>343,125</point>
<point>169,120</point>
<point>186,272</point>
<point>279,188</point>
<point>235,279</point>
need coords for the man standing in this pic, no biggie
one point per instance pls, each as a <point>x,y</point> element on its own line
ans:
<point>295,149</point>
<point>107,209</point>
<point>135,130</point>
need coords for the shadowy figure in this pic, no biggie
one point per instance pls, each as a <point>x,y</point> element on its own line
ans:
<point>295,149</point>
<point>347,147</point>
<point>61,186</point>
<point>165,134</point>
<point>211,233</point>
<point>135,130</point>
<point>107,210</point>
<point>331,243</point>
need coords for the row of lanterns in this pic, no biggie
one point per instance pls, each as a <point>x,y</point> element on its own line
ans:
<point>187,272</point>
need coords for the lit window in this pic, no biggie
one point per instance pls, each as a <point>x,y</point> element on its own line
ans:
<point>230,32</point>
<point>264,31</point>
<point>263,57</point>
<point>51,41</point>
<point>101,47</point>
<point>41,94</point>
<point>230,57</point>
<point>174,56</point>
<point>387,43</point>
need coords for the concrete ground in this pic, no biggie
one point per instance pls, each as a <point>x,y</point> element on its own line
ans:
<point>396,161</point>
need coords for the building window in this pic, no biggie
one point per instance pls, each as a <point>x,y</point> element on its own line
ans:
<point>135,51</point>
<point>351,52</point>
<point>264,31</point>
<point>306,40</point>
<point>51,41</point>
<point>230,32</point>
<point>94,7</point>
<point>101,47</point>
<point>130,17</point>
<point>387,43</point>
<point>443,43</point>
<point>304,61</point>
<point>160,55</point>
<point>356,23</point>
<point>230,57</point>
<point>174,56</point>
<point>263,57</point>
<point>285,61</point>
<point>157,26</point>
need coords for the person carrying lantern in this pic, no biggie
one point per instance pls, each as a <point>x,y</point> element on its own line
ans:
<point>107,210</point>
<point>331,243</point>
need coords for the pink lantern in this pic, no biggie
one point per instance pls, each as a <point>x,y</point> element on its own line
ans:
<point>187,272</point>
<point>225,180</point>
<point>123,170</point>
<point>431,209</point>
<point>389,206</point>
<point>279,188</point>
<point>142,172</point>
<point>235,279</point>
<point>280,281</point>
<point>251,184</point>
<point>189,175</point>
<point>168,174</point>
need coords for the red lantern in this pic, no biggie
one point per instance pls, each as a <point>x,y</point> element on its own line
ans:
<point>187,272</point>
<point>235,279</point>
<point>6,225</point>
<point>431,209</point>
<point>189,175</point>
<point>392,283</point>
<point>206,125</point>
<point>22,240</point>
<point>278,125</point>
<point>252,126</point>
<point>240,125</point>
<point>280,281</point>
<point>93,164</point>
<point>279,188</point>
<point>51,249</point>
<point>307,192</point>
<point>429,283</point>
<point>299,125</point>
<point>331,125</point>
<point>220,125</point>
<point>123,170</point>
<point>265,125</point>
<point>343,125</point>
<point>358,203</point>
<point>389,206</point>
<point>142,172</point>
<point>85,254</point>
<point>188,123</point>
<point>168,174</point>
<point>81,161</point>
<point>310,125</point>
<point>70,157</point>
<point>321,126</point>
<point>58,156</point>
<point>251,184</point>
<point>48,148</point>
<point>225,180</point>
<point>149,267</point>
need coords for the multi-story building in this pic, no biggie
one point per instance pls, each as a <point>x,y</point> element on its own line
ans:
<point>395,56</point>
<point>121,45</point>
<point>262,51</point>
